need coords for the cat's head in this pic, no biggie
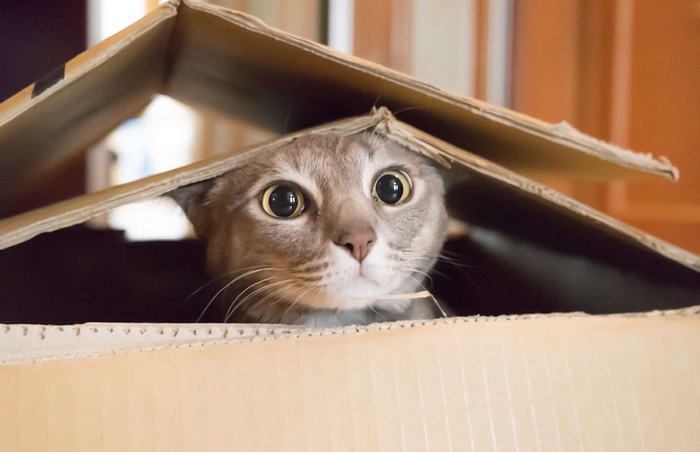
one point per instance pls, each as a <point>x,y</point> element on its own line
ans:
<point>324,222</point>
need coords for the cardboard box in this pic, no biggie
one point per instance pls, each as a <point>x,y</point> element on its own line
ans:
<point>567,381</point>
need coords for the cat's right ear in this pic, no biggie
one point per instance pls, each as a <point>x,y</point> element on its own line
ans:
<point>193,201</point>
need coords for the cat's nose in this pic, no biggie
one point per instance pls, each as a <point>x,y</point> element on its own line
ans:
<point>358,243</point>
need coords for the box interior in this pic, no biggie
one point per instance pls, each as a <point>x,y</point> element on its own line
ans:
<point>522,253</point>
<point>528,249</point>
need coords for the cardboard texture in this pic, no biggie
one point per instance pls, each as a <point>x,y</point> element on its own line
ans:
<point>230,61</point>
<point>541,383</point>
<point>527,382</point>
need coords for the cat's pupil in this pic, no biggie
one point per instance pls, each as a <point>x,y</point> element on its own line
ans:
<point>389,189</point>
<point>284,201</point>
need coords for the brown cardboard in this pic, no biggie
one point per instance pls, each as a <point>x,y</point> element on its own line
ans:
<point>101,88</point>
<point>233,62</point>
<point>542,383</point>
<point>532,382</point>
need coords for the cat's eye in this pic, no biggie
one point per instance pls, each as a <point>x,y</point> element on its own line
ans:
<point>392,187</point>
<point>283,201</point>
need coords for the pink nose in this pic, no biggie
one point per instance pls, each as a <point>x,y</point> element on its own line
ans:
<point>358,244</point>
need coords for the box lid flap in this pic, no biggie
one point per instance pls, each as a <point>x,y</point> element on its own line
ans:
<point>207,55</point>
<point>304,83</point>
<point>81,101</point>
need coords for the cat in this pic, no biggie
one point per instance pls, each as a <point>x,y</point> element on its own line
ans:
<point>321,231</point>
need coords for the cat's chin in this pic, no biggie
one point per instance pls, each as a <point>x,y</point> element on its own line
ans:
<point>359,293</point>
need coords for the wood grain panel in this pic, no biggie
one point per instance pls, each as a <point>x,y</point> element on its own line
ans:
<point>625,71</point>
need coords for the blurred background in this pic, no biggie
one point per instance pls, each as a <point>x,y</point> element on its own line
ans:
<point>625,71</point>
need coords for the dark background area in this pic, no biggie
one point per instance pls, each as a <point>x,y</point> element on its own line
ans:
<point>36,37</point>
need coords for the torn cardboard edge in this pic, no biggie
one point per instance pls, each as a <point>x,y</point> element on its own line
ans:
<point>23,227</point>
<point>562,134</point>
<point>28,344</point>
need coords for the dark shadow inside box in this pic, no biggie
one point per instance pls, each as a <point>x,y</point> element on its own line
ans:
<point>80,275</point>
<point>522,254</point>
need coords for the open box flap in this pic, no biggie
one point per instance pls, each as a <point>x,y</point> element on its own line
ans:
<point>304,84</point>
<point>540,382</point>
<point>203,54</point>
<point>23,227</point>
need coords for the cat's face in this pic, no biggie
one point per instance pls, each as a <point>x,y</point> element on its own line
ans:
<point>326,222</point>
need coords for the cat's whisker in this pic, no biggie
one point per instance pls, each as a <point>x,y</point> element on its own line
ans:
<point>420,272</point>
<point>454,262</point>
<point>434,271</point>
<point>286,121</point>
<point>458,265</point>
<point>424,259</point>
<point>267,297</point>
<point>256,283</point>
<point>439,253</point>
<point>320,289</point>
<point>374,136</point>
<point>398,112</point>
<point>460,268</point>
<point>444,275</point>
<point>295,302</point>
<point>248,274</point>
<point>218,278</point>
<point>203,286</point>
<point>298,285</point>
<point>421,286</point>
<point>377,99</point>
<point>252,294</point>
<point>227,285</point>
<point>373,310</point>
<point>441,257</point>
<point>452,254</point>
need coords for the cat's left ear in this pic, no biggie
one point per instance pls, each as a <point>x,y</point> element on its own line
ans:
<point>192,199</point>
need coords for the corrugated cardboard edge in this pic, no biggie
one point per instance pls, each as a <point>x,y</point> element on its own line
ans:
<point>87,61</point>
<point>77,210</point>
<point>27,344</point>
<point>561,133</point>
<point>23,227</point>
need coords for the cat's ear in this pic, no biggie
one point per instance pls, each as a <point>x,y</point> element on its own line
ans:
<point>193,201</point>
